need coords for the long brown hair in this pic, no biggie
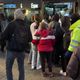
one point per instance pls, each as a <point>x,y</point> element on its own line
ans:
<point>37,20</point>
<point>65,22</point>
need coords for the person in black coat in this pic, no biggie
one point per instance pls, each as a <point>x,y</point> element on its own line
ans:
<point>16,36</point>
<point>58,31</point>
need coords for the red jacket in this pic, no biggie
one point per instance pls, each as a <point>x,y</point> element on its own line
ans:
<point>46,42</point>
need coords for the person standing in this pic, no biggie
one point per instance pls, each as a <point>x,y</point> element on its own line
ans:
<point>74,36</point>
<point>58,32</point>
<point>45,47</point>
<point>3,25</point>
<point>35,61</point>
<point>16,35</point>
<point>65,20</point>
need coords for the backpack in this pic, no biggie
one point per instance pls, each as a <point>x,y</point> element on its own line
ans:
<point>19,39</point>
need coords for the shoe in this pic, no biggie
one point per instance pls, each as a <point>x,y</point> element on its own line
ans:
<point>33,67</point>
<point>39,67</point>
<point>62,73</point>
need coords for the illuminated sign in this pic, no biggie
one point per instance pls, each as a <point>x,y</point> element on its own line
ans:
<point>10,6</point>
<point>34,6</point>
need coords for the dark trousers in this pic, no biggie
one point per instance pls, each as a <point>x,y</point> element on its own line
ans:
<point>67,58</point>
<point>3,44</point>
<point>9,64</point>
<point>60,57</point>
<point>46,56</point>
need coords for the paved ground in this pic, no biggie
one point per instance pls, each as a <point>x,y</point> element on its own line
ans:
<point>30,74</point>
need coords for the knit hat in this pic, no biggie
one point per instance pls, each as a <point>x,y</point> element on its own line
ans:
<point>18,14</point>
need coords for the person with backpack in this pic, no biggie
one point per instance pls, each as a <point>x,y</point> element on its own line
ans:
<point>16,35</point>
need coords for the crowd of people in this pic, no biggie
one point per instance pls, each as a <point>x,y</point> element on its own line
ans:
<point>51,41</point>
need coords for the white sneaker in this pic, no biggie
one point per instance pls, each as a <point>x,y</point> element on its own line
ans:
<point>33,67</point>
<point>39,67</point>
<point>62,73</point>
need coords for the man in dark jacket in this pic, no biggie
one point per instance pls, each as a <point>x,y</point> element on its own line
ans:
<point>16,44</point>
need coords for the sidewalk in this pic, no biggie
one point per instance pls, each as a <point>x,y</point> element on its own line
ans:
<point>29,74</point>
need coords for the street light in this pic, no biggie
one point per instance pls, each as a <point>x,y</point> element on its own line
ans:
<point>21,5</point>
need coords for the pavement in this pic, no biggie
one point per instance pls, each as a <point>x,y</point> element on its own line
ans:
<point>29,74</point>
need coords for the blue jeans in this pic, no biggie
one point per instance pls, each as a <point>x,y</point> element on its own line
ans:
<point>11,56</point>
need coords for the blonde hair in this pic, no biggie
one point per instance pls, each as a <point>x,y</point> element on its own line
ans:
<point>43,25</point>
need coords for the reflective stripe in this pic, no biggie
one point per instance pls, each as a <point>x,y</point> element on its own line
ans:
<point>76,41</point>
<point>48,37</point>
<point>78,27</point>
<point>73,46</point>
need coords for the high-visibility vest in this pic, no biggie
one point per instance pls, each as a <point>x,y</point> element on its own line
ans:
<point>75,38</point>
<point>74,25</point>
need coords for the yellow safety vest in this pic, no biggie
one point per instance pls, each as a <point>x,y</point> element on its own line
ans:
<point>74,25</point>
<point>75,38</point>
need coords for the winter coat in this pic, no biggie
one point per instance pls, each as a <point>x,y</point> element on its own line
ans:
<point>46,41</point>
<point>75,37</point>
<point>59,36</point>
<point>73,67</point>
<point>16,34</point>
<point>8,33</point>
